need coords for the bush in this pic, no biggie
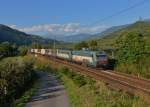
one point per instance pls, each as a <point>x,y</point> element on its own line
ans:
<point>79,80</point>
<point>16,74</point>
<point>22,50</point>
<point>131,47</point>
<point>7,49</point>
<point>132,55</point>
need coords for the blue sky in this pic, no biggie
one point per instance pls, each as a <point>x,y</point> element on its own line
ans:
<point>63,16</point>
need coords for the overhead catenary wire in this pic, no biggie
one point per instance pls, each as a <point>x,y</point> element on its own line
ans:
<point>119,12</point>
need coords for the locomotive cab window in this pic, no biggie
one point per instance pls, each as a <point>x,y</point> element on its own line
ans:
<point>101,56</point>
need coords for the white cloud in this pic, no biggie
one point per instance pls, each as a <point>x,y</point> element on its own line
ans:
<point>12,26</point>
<point>69,28</point>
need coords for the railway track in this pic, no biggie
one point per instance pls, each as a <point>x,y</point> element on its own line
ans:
<point>114,80</point>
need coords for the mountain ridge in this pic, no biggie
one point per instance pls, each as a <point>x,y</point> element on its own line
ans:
<point>20,38</point>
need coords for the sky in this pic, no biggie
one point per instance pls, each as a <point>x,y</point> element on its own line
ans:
<point>66,17</point>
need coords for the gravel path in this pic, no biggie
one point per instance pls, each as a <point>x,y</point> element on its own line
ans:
<point>50,93</point>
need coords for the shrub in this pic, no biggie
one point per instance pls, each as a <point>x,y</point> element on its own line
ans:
<point>22,50</point>
<point>16,75</point>
<point>79,80</point>
<point>132,55</point>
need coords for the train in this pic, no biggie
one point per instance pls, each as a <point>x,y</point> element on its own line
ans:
<point>83,57</point>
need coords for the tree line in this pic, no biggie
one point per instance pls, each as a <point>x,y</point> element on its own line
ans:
<point>8,49</point>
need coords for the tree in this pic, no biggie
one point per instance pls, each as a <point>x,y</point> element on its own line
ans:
<point>81,45</point>
<point>131,47</point>
<point>36,45</point>
<point>7,49</point>
<point>93,45</point>
<point>22,50</point>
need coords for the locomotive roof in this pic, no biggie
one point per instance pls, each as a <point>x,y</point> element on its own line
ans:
<point>83,52</point>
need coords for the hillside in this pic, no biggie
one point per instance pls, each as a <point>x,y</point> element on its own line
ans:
<point>142,27</point>
<point>109,31</point>
<point>20,38</point>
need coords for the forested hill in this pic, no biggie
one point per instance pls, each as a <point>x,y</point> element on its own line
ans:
<point>20,38</point>
<point>141,27</point>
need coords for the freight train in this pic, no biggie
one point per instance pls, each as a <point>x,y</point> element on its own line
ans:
<point>84,57</point>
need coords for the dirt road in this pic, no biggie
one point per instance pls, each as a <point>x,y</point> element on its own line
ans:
<point>50,93</point>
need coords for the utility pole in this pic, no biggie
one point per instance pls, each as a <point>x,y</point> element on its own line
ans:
<point>54,45</point>
<point>54,48</point>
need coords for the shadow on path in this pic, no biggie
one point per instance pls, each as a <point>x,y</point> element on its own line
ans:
<point>50,93</point>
